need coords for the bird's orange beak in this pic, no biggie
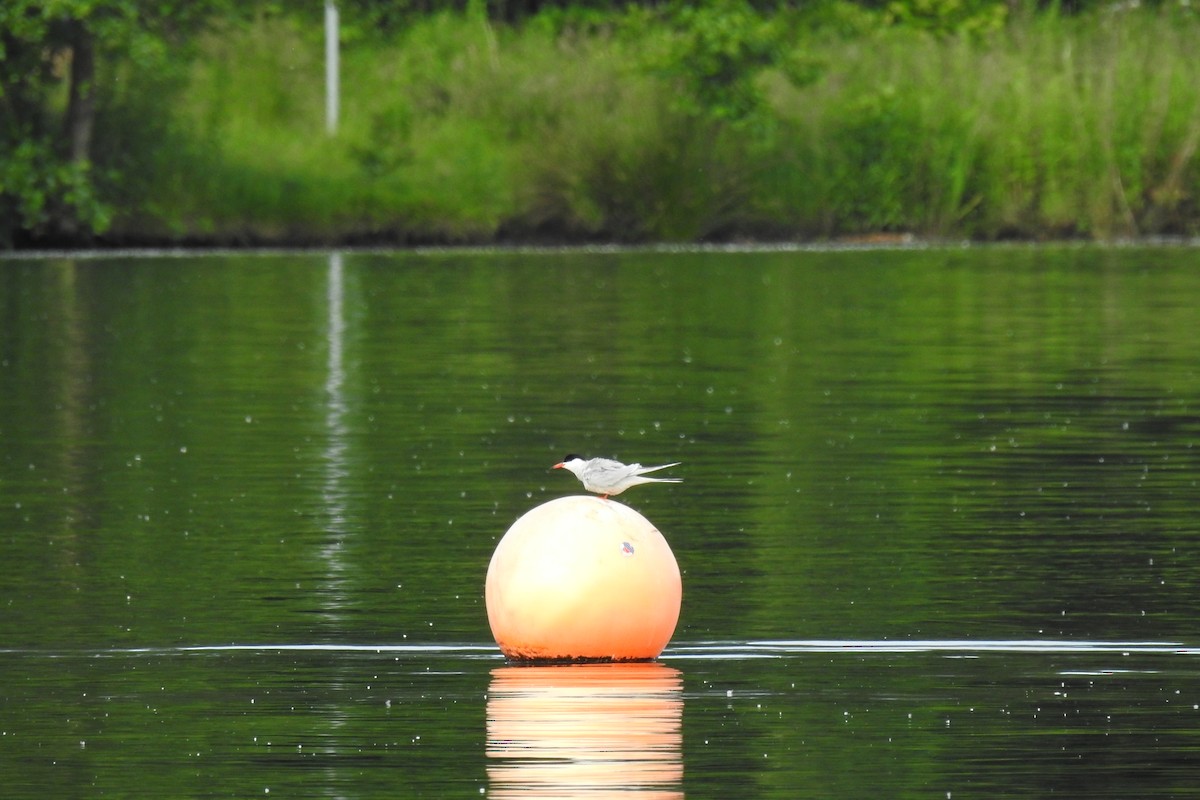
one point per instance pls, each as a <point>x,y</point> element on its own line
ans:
<point>559,465</point>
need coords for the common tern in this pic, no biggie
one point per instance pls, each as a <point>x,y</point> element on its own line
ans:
<point>607,477</point>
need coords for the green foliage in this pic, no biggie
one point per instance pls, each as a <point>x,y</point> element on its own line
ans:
<point>38,190</point>
<point>948,16</point>
<point>49,95</point>
<point>1055,127</point>
<point>679,123</point>
<point>715,54</point>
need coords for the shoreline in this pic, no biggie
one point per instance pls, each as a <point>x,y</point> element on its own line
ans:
<point>848,244</point>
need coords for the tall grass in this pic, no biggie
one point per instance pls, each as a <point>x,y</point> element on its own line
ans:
<point>1051,127</point>
<point>465,131</point>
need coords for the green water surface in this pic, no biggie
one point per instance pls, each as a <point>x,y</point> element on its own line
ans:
<point>937,529</point>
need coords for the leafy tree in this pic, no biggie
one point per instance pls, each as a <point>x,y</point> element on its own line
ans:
<point>54,57</point>
<point>716,52</point>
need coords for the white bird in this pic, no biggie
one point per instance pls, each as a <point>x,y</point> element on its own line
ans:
<point>607,477</point>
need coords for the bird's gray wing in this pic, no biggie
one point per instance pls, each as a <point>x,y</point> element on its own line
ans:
<point>613,471</point>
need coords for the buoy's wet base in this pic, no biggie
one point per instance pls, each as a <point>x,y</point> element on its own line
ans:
<point>520,660</point>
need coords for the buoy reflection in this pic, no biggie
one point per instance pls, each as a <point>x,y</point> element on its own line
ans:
<point>599,730</point>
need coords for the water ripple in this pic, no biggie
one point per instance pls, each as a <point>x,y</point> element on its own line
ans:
<point>788,647</point>
<point>705,651</point>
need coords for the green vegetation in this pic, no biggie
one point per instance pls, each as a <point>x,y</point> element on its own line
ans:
<point>64,64</point>
<point>943,119</point>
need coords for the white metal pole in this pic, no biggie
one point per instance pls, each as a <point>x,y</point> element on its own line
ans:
<point>331,67</point>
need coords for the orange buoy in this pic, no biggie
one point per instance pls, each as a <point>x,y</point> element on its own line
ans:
<point>580,579</point>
